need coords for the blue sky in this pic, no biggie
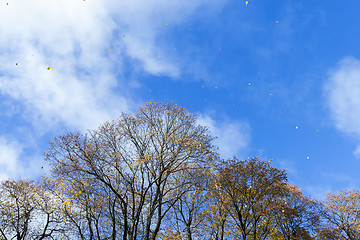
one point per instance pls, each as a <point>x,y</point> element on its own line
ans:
<point>286,91</point>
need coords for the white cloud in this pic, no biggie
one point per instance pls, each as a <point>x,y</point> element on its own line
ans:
<point>74,38</point>
<point>233,137</point>
<point>16,161</point>
<point>144,25</point>
<point>71,37</point>
<point>9,154</point>
<point>357,151</point>
<point>342,91</point>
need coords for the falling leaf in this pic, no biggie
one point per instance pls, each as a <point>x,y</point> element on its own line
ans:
<point>48,68</point>
<point>219,49</point>
<point>203,86</point>
<point>166,24</point>
<point>123,35</point>
<point>174,49</point>
<point>277,21</point>
<point>110,50</point>
<point>205,99</point>
<point>317,130</point>
<point>246,2</point>
<point>7,3</point>
<point>249,84</point>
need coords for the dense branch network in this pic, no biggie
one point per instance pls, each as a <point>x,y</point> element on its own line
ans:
<point>157,175</point>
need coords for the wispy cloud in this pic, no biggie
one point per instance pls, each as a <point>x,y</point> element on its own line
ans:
<point>317,192</point>
<point>69,37</point>
<point>289,165</point>
<point>357,151</point>
<point>89,46</point>
<point>233,137</point>
<point>333,182</point>
<point>342,92</point>
<point>9,153</point>
<point>74,38</point>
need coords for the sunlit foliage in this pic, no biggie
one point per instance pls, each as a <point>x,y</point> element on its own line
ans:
<point>341,216</point>
<point>137,160</point>
<point>156,175</point>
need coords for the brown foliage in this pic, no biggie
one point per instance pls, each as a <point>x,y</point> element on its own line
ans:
<point>155,175</point>
<point>341,216</point>
<point>138,160</point>
<point>248,190</point>
<point>27,211</point>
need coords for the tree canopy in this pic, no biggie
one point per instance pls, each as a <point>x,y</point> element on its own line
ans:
<point>157,175</point>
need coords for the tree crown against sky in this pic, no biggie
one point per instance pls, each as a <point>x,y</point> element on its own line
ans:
<point>156,175</point>
<point>260,75</point>
<point>138,159</point>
